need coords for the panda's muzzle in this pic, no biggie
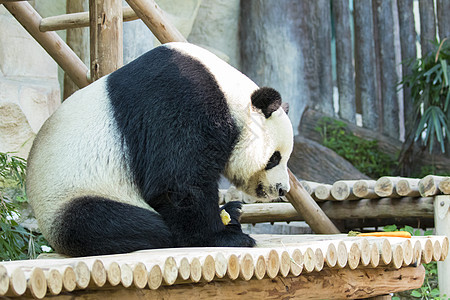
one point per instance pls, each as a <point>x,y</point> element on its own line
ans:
<point>281,191</point>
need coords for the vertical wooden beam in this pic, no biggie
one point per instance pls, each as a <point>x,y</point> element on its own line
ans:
<point>388,75</point>
<point>50,41</point>
<point>106,36</point>
<point>408,52</point>
<point>365,87</point>
<point>427,25</point>
<point>442,224</point>
<point>344,61</point>
<point>78,40</point>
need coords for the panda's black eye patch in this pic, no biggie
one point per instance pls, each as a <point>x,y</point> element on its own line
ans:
<point>274,160</point>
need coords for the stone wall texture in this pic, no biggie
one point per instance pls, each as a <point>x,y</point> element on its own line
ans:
<point>29,88</point>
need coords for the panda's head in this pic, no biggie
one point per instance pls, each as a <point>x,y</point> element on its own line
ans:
<point>258,163</point>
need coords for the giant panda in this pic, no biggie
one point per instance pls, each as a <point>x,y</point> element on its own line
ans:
<point>133,160</point>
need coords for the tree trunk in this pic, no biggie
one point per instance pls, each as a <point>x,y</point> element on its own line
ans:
<point>78,40</point>
<point>312,161</point>
<point>365,71</point>
<point>443,18</point>
<point>427,25</point>
<point>344,61</point>
<point>388,75</point>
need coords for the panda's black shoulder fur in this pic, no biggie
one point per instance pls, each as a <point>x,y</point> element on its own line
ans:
<point>175,123</point>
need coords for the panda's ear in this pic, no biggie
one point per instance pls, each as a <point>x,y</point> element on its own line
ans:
<point>267,99</point>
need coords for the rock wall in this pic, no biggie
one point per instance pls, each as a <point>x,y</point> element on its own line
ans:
<point>29,88</point>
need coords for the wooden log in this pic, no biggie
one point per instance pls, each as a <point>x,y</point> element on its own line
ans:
<point>220,262</point>
<point>365,72</point>
<point>319,261</point>
<point>407,207</point>
<point>233,267</point>
<point>113,273</point>
<point>427,250</point>
<point>126,275</point>
<point>37,283</point>
<point>374,256</point>
<point>442,222</point>
<point>343,190</point>
<point>156,20</point>
<point>17,283</point>
<point>387,72</point>
<point>323,192</point>
<point>365,189</point>
<point>50,41</point>
<point>260,267</point>
<point>54,281</point>
<point>296,262</point>
<point>285,263</point>
<point>427,26</point>
<point>247,267</point>
<point>196,268</point>
<point>208,268</point>
<point>417,252</point>
<point>4,281</point>
<point>341,284</point>
<point>170,270</point>
<point>344,60</point>
<point>385,187</point>
<point>83,274</point>
<point>155,277</point>
<point>272,264</point>
<point>397,257</point>
<point>140,278</point>
<point>309,260</point>
<point>353,254</point>
<point>408,187</point>
<point>444,186</point>
<point>98,273</point>
<point>77,20</point>
<point>429,185</point>
<point>365,250</point>
<point>105,36</point>
<point>305,205</point>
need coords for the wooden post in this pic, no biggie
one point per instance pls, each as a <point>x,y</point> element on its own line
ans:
<point>344,60</point>
<point>106,36</point>
<point>442,224</point>
<point>50,41</point>
<point>155,19</point>
<point>308,208</point>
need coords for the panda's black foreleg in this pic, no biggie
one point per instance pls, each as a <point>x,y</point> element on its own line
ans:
<point>197,223</point>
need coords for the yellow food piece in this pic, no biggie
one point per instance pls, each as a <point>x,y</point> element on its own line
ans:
<point>225,217</point>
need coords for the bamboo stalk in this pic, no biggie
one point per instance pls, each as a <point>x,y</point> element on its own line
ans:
<point>50,41</point>
<point>156,20</point>
<point>77,20</point>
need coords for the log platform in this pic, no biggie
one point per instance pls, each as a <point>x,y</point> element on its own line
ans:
<point>281,266</point>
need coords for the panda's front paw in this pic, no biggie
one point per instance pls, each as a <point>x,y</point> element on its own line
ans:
<point>233,238</point>
<point>234,209</point>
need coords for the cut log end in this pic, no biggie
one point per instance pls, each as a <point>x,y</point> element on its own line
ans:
<point>54,281</point>
<point>140,278</point>
<point>296,262</point>
<point>273,264</point>
<point>37,283</point>
<point>155,277</point>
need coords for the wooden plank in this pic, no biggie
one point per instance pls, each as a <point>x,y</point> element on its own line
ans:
<point>344,60</point>
<point>306,206</point>
<point>407,207</point>
<point>427,26</point>
<point>156,20</point>
<point>340,284</point>
<point>50,41</point>
<point>78,20</point>
<point>365,71</point>
<point>106,36</point>
<point>387,72</point>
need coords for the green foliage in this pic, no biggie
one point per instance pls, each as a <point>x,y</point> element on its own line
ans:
<point>429,289</point>
<point>363,154</point>
<point>429,83</point>
<point>15,241</point>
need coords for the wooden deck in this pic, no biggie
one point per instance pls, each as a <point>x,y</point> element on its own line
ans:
<point>281,267</point>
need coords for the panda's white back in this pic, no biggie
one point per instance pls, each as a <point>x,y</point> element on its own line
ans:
<point>77,152</point>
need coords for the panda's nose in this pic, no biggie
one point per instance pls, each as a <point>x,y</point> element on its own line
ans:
<point>282,192</point>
